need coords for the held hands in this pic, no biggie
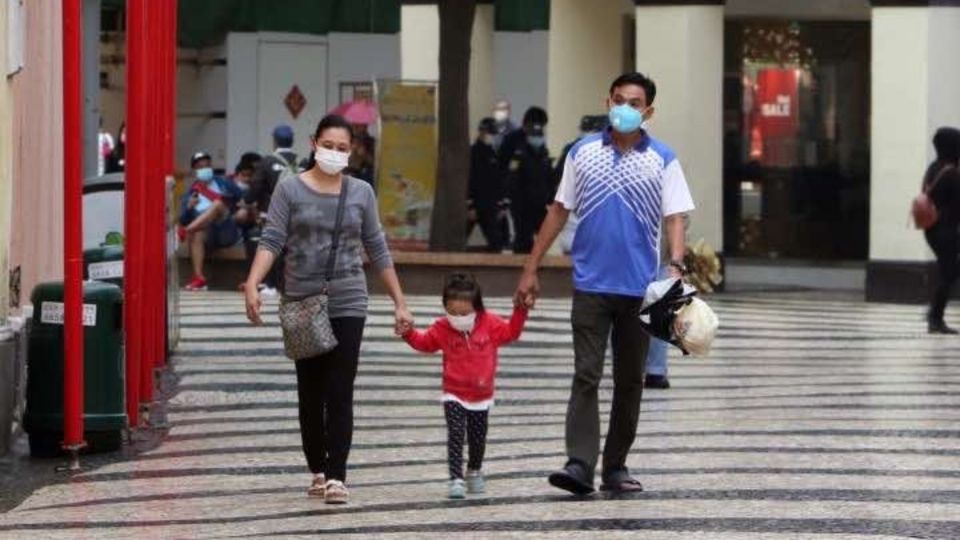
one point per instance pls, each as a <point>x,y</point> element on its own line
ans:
<point>403,320</point>
<point>254,303</point>
<point>527,290</point>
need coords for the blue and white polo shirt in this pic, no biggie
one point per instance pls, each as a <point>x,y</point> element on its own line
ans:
<point>620,199</point>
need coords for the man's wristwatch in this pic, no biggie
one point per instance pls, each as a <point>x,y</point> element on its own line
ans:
<point>682,268</point>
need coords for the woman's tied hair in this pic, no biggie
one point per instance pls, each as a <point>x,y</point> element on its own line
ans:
<point>463,286</point>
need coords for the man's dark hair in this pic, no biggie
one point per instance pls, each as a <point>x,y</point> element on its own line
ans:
<point>248,162</point>
<point>535,115</point>
<point>639,79</point>
<point>463,286</point>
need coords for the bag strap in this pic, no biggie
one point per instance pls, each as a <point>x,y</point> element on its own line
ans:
<point>937,178</point>
<point>338,224</point>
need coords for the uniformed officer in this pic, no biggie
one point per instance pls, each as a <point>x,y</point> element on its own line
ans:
<point>526,161</point>
<point>487,204</point>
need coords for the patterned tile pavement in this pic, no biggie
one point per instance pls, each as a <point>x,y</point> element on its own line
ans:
<point>814,418</point>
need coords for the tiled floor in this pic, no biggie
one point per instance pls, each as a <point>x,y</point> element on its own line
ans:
<point>814,418</point>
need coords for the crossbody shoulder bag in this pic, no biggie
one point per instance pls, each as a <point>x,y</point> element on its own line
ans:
<point>307,332</point>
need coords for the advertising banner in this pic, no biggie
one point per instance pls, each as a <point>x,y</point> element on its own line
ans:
<point>407,161</point>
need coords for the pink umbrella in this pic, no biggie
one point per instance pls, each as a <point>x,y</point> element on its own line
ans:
<point>361,111</point>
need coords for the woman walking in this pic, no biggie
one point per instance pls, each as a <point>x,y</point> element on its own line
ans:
<point>302,224</point>
<point>942,184</point>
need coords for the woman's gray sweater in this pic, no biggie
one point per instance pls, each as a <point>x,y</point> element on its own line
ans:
<point>301,221</point>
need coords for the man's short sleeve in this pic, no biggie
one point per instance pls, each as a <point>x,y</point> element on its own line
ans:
<point>676,193</point>
<point>567,190</point>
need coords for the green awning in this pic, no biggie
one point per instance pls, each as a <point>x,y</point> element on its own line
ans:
<point>522,15</point>
<point>207,22</point>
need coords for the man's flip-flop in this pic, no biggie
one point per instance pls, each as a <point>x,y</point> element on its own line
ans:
<point>621,482</point>
<point>568,481</point>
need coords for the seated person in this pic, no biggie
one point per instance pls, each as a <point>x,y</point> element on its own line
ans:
<point>207,216</point>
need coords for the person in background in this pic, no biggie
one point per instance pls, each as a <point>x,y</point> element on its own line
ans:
<point>362,156</point>
<point>247,216</point>
<point>942,184</point>
<point>501,115</point>
<point>264,181</point>
<point>588,124</point>
<point>267,173</point>
<point>525,161</point>
<point>117,160</point>
<point>105,146</point>
<point>488,202</point>
<point>206,217</point>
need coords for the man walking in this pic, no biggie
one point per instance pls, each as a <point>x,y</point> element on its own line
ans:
<point>621,184</point>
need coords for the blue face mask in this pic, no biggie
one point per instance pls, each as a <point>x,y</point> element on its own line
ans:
<point>536,142</point>
<point>204,174</point>
<point>626,119</point>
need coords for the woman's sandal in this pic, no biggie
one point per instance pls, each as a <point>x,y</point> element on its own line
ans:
<point>336,493</point>
<point>318,488</point>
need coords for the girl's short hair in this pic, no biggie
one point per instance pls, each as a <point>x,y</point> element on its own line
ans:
<point>463,286</point>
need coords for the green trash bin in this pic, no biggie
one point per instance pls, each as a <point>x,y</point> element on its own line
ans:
<point>104,263</point>
<point>104,412</point>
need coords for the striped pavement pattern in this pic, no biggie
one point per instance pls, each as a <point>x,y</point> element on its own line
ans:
<point>815,417</point>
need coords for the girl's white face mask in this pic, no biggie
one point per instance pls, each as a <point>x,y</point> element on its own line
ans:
<point>331,161</point>
<point>462,323</point>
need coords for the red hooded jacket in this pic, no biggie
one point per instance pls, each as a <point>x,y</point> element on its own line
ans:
<point>469,361</point>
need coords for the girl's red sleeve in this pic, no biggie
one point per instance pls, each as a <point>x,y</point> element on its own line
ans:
<point>425,341</point>
<point>509,332</point>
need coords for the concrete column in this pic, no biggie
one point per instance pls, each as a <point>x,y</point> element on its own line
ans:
<point>420,52</point>
<point>420,42</point>
<point>520,69</point>
<point>481,65</point>
<point>681,48</point>
<point>914,91</point>
<point>585,55</point>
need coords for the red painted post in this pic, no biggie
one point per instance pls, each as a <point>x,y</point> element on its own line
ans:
<point>72,230</point>
<point>147,107</point>
<point>133,253</point>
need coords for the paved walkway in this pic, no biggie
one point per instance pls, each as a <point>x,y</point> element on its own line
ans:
<point>813,419</point>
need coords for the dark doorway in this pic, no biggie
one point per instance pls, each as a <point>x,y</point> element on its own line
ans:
<point>797,139</point>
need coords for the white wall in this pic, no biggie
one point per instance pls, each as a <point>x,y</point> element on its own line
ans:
<point>242,102</point>
<point>361,57</point>
<point>900,129</point>
<point>420,42</point>
<point>944,75</point>
<point>520,64</point>
<point>586,53</point>
<point>350,58</point>
<point>677,46</point>
<point>201,89</point>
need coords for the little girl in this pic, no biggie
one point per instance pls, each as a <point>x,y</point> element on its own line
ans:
<point>469,337</point>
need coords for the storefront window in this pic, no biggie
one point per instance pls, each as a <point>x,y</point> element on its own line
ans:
<point>797,139</point>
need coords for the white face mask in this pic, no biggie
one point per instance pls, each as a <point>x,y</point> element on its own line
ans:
<point>462,323</point>
<point>501,115</point>
<point>331,161</point>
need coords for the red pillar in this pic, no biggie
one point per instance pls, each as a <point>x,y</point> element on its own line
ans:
<point>133,213</point>
<point>72,227</point>
<point>147,108</point>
